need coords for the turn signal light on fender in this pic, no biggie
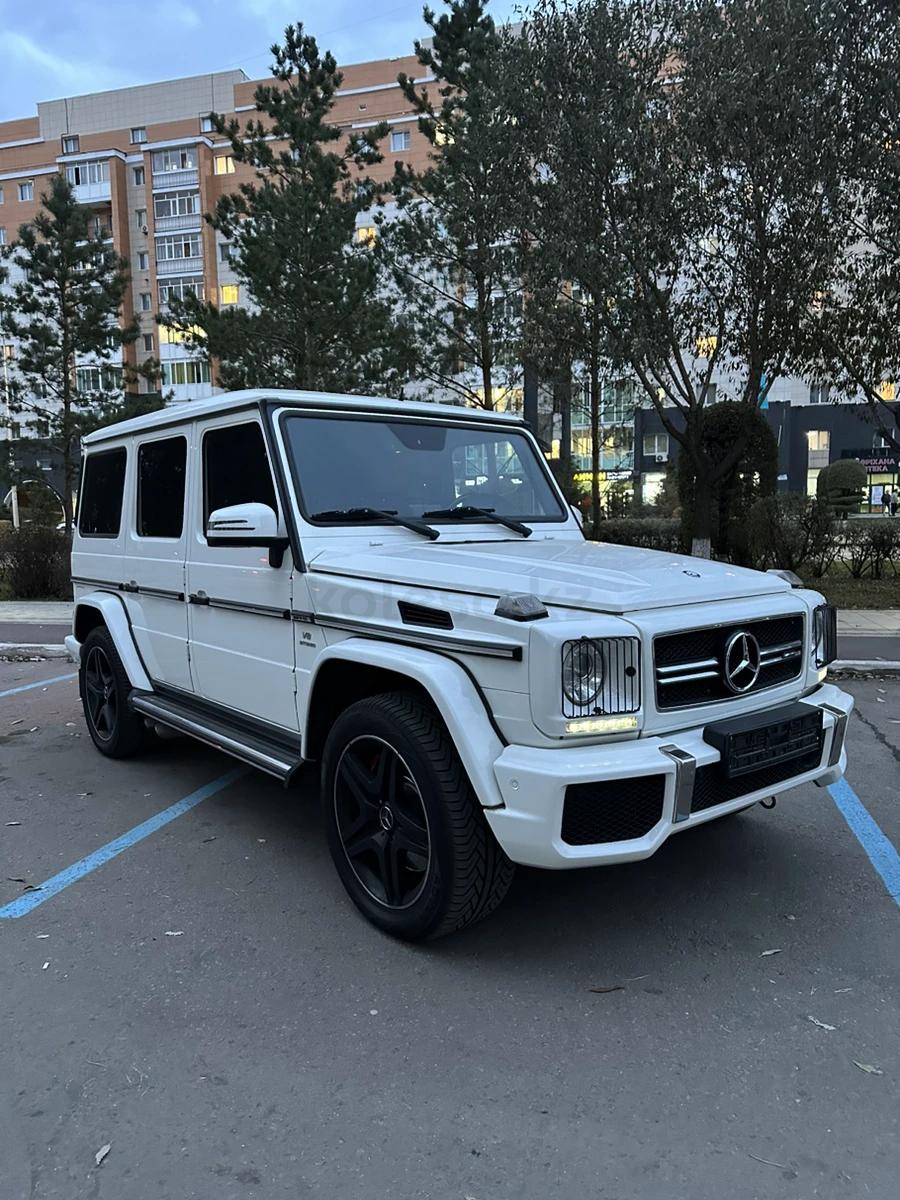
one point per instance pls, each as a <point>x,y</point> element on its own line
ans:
<point>602,725</point>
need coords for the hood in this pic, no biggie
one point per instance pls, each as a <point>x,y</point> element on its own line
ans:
<point>577,574</point>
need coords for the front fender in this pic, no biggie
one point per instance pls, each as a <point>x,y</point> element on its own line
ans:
<point>112,609</point>
<point>453,692</point>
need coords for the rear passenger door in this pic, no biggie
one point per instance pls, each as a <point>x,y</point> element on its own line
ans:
<point>241,635</point>
<point>155,558</point>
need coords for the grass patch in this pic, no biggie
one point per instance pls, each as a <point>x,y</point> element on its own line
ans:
<point>845,592</point>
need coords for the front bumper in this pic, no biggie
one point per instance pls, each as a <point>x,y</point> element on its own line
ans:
<point>533,784</point>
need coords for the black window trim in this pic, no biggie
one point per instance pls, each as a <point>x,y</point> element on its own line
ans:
<point>204,498</point>
<point>109,537</point>
<point>420,419</point>
<point>139,447</point>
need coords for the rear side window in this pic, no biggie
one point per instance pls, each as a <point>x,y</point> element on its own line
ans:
<point>161,468</point>
<point>236,468</point>
<point>102,489</point>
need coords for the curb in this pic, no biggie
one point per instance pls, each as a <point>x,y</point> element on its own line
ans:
<point>864,666</point>
<point>31,651</point>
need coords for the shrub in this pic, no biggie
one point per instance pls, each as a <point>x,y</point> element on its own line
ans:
<point>34,563</point>
<point>871,546</point>
<point>652,533</point>
<point>791,532</point>
<point>842,485</point>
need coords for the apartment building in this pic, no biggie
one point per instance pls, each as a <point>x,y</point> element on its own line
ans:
<point>146,163</point>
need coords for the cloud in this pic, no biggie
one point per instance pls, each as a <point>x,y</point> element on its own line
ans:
<point>21,56</point>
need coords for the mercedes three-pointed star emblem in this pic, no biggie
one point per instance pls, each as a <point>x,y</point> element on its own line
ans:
<point>742,661</point>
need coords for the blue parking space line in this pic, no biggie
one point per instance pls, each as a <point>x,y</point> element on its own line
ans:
<point>882,853</point>
<point>27,687</point>
<point>31,900</point>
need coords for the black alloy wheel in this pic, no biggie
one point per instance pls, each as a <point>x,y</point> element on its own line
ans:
<point>406,832</point>
<point>381,821</point>
<point>115,728</point>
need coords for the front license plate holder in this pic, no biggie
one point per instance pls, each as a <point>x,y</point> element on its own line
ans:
<point>747,744</point>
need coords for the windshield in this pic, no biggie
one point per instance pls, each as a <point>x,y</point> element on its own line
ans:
<point>345,467</point>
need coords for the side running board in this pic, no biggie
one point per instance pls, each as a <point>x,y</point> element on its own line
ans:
<point>269,754</point>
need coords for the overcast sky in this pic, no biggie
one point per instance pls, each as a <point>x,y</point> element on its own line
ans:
<point>53,48</point>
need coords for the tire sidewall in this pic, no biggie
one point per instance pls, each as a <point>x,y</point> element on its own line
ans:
<point>424,915</point>
<point>123,740</point>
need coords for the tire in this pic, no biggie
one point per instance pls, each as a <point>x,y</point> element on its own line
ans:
<point>405,829</point>
<point>116,730</point>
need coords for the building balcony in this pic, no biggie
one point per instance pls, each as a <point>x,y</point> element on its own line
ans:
<point>179,266</point>
<point>177,224</point>
<point>166,181</point>
<point>92,193</point>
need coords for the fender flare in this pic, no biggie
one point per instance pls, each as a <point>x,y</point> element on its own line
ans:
<point>453,692</point>
<point>115,616</point>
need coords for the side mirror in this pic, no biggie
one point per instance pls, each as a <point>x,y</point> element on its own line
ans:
<point>250,524</point>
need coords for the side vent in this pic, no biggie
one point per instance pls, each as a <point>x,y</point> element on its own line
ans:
<point>418,614</point>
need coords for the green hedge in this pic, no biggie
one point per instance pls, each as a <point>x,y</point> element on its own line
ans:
<point>34,564</point>
<point>652,533</point>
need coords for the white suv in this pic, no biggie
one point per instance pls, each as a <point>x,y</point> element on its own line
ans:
<point>401,592</point>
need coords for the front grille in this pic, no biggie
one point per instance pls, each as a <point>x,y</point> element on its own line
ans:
<point>690,666</point>
<point>712,786</point>
<point>612,811</point>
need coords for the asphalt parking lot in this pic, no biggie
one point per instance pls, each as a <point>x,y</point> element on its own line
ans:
<point>207,1003</point>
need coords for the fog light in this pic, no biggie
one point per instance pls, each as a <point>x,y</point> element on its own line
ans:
<point>602,725</point>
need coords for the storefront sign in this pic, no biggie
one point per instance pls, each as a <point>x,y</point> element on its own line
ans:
<point>876,462</point>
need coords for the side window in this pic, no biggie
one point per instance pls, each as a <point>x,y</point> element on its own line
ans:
<point>236,468</point>
<point>102,489</point>
<point>160,506</point>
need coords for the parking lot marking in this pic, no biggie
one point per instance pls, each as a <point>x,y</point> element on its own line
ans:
<point>882,854</point>
<point>84,866</point>
<point>27,687</point>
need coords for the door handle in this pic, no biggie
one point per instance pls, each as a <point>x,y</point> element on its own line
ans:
<point>198,597</point>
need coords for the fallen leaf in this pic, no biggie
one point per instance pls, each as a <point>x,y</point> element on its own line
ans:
<point>821,1024</point>
<point>769,1163</point>
<point>9,824</point>
<point>18,721</point>
<point>174,933</point>
<point>209,839</point>
<point>879,700</point>
<point>41,936</point>
<point>615,987</point>
<point>373,1012</point>
<point>102,1153</point>
<point>840,991</point>
<point>868,1068</point>
<point>32,887</point>
<point>46,965</point>
<point>766,953</point>
<point>33,729</point>
<point>14,879</point>
<point>83,795</point>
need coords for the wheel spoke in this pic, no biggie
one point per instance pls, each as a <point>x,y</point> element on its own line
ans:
<point>391,872</point>
<point>363,841</point>
<point>359,781</point>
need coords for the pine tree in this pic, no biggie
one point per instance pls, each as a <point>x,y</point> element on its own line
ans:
<point>318,316</point>
<point>64,307</point>
<point>454,248</point>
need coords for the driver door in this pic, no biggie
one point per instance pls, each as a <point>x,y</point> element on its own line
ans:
<point>241,642</point>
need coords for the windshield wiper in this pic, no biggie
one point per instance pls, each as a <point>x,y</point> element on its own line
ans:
<point>469,510</point>
<point>360,514</point>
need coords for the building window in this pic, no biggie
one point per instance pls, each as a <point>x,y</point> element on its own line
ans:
<point>185,245</point>
<point>183,159</point>
<point>2,235</point>
<point>185,371</point>
<point>96,380</point>
<point>98,228</point>
<point>70,144</point>
<point>138,135</point>
<point>160,499</point>
<point>102,490</point>
<point>206,125</point>
<point>146,302</point>
<point>818,440</point>
<point>140,219</point>
<point>224,252</point>
<point>144,260</point>
<point>656,445</point>
<point>9,352</point>
<point>224,164</point>
<point>1,195</point>
<point>179,288</point>
<point>148,342</point>
<point>26,191</point>
<point>818,393</point>
<point>400,140</point>
<point>138,176</point>
<point>95,171</point>
<point>367,235</point>
<point>176,204</point>
<point>887,390</point>
<point>231,293</point>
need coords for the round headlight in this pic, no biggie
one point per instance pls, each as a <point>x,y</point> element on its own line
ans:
<point>582,672</point>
